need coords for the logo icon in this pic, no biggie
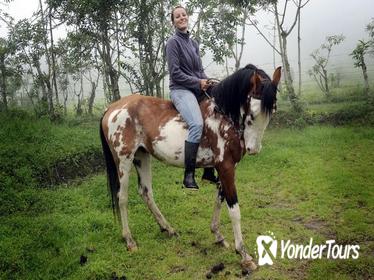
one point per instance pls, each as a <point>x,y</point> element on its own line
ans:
<point>266,249</point>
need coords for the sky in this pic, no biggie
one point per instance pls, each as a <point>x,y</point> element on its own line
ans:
<point>320,18</point>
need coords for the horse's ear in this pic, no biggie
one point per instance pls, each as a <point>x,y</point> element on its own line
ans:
<point>277,75</point>
<point>255,80</point>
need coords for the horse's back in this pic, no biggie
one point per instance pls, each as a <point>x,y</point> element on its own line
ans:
<point>142,121</point>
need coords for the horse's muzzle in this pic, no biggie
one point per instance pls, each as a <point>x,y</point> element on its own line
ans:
<point>253,151</point>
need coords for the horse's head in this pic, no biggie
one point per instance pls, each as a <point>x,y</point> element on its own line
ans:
<point>261,103</point>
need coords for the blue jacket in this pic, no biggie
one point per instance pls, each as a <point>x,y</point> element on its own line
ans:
<point>184,62</point>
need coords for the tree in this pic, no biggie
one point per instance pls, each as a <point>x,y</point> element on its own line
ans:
<point>370,31</point>
<point>77,61</point>
<point>10,73</point>
<point>300,5</point>
<point>97,19</point>
<point>30,40</point>
<point>283,33</point>
<point>321,57</point>
<point>4,50</point>
<point>149,31</point>
<point>358,56</point>
<point>219,28</point>
<point>224,25</point>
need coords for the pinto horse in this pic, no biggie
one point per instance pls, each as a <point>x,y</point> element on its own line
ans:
<point>235,117</point>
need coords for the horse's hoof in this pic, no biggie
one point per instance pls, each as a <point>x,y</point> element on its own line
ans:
<point>132,248</point>
<point>170,232</point>
<point>131,245</point>
<point>223,243</point>
<point>248,266</point>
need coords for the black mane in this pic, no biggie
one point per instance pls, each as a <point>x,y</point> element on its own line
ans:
<point>231,93</point>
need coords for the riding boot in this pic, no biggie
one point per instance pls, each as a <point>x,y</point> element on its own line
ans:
<point>209,175</point>
<point>190,152</point>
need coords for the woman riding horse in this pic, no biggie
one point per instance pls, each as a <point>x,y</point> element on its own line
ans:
<point>235,119</point>
<point>187,80</point>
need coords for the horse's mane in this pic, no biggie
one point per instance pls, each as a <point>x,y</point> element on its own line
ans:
<point>232,92</point>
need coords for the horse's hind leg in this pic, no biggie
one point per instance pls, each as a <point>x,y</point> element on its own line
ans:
<point>142,163</point>
<point>123,194</point>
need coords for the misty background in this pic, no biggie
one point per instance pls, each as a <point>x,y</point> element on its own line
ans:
<point>318,19</point>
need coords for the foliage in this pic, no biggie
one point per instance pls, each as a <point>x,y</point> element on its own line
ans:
<point>10,72</point>
<point>97,21</point>
<point>359,52</point>
<point>217,24</point>
<point>321,58</point>
<point>148,33</point>
<point>332,114</point>
<point>31,147</point>
<point>283,31</point>
<point>370,31</point>
<point>219,32</point>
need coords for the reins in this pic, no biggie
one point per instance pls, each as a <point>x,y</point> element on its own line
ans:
<point>240,129</point>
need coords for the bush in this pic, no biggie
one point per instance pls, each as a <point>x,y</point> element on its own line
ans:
<point>358,114</point>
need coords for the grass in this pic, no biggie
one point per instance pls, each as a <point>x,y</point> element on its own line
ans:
<point>314,182</point>
<point>30,147</point>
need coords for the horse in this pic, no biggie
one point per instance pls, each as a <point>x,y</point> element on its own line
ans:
<point>137,127</point>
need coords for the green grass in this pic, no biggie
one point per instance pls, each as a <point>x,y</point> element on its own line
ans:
<point>29,147</point>
<point>38,143</point>
<point>315,182</point>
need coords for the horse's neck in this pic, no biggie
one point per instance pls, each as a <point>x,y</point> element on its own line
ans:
<point>207,107</point>
<point>208,110</point>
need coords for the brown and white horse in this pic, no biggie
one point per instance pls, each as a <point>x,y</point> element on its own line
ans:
<point>235,117</point>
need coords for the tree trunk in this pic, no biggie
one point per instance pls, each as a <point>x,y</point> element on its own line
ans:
<point>91,100</point>
<point>113,75</point>
<point>296,106</point>
<point>326,82</point>
<point>79,109</point>
<point>288,77</point>
<point>54,79</point>
<point>46,78</point>
<point>3,84</point>
<point>114,83</point>
<point>65,103</point>
<point>92,97</point>
<point>366,79</point>
<point>299,51</point>
<point>238,57</point>
<point>110,73</point>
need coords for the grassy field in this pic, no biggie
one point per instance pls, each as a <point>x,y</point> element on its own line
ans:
<point>313,182</point>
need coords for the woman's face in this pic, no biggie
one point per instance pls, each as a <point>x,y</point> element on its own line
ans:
<point>180,19</point>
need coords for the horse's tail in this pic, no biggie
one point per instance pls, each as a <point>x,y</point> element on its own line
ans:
<point>111,171</point>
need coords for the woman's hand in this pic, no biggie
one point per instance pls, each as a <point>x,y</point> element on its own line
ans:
<point>204,85</point>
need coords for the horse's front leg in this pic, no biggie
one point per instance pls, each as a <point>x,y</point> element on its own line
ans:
<point>226,172</point>
<point>214,226</point>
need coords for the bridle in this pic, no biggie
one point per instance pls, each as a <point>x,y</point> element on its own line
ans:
<point>247,108</point>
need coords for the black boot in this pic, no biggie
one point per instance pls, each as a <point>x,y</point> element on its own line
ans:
<point>190,152</point>
<point>209,175</point>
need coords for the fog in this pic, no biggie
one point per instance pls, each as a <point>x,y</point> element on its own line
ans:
<point>320,18</point>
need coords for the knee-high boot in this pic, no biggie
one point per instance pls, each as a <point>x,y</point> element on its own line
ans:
<point>190,153</point>
<point>209,175</point>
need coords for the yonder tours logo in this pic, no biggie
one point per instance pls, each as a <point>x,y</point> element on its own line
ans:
<point>267,250</point>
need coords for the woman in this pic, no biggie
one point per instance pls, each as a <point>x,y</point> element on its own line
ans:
<point>187,80</point>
